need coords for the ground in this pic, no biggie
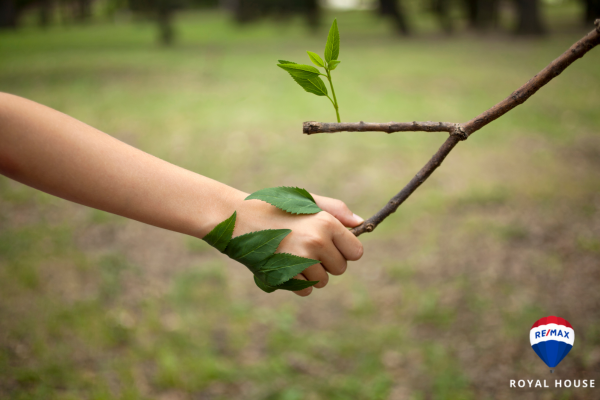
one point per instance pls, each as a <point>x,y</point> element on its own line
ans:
<point>94,306</point>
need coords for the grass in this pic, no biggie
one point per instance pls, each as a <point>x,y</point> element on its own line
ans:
<point>94,306</point>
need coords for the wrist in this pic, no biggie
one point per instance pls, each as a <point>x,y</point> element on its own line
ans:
<point>220,208</point>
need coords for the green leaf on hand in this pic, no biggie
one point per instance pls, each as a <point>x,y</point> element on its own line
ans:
<point>263,286</point>
<point>300,70</point>
<point>292,285</point>
<point>313,85</point>
<point>220,236</point>
<point>333,64</point>
<point>282,267</point>
<point>291,199</point>
<point>253,248</point>
<point>296,284</point>
<point>332,47</point>
<point>256,250</point>
<point>314,57</point>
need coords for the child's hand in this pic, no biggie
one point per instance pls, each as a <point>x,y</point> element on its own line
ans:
<point>320,236</point>
<point>40,147</point>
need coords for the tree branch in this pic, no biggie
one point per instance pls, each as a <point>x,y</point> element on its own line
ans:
<point>312,127</point>
<point>457,132</point>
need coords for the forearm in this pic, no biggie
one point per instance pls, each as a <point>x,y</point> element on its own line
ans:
<point>57,154</point>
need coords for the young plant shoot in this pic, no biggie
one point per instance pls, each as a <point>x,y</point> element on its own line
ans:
<point>308,76</point>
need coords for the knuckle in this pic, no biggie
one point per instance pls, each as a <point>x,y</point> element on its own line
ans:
<point>326,220</point>
<point>315,242</point>
<point>341,206</point>
<point>322,282</point>
<point>340,269</point>
<point>304,292</point>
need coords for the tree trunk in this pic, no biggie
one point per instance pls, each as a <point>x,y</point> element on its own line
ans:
<point>45,13</point>
<point>311,11</point>
<point>393,9</point>
<point>441,9</point>
<point>471,11</point>
<point>481,14</point>
<point>8,14</point>
<point>165,25</point>
<point>529,18</point>
<point>592,11</point>
<point>83,10</point>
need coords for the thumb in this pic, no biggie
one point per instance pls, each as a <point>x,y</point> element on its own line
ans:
<point>339,210</point>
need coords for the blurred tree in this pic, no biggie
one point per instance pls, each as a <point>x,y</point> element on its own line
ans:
<point>161,11</point>
<point>393,9</point>
<point>529,19</point>
<point>165,9</point>
<point>45,15</point>
<point>591,11</point>
<point>245,11</point>
<point>8,14</point>
<point>83,10</point>
<point>482,14</point>
<point>441,8</point>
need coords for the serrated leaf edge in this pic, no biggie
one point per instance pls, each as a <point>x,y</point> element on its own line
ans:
<point>288,187</point>
<point>233,219</point>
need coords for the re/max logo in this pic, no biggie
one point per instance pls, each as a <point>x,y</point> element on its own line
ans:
<point>552,332</point>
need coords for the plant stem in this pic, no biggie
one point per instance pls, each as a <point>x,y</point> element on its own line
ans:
<point>335,103</point>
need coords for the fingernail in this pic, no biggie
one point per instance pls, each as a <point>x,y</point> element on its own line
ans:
<point>358,219</point>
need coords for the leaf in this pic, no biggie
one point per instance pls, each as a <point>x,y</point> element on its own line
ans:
<point>296,284</point>
<point>282,267</point>
<point>291,199</point>
<point>220,236</point>
<point>314,57</point>
<point>313,85</point>
<point>292,285</point>
<point>286,62</point>
<point>253,248</point>
<point>300,70</point>
<point>333,64</point>
<point>263,286</point>
<point>332,47</point>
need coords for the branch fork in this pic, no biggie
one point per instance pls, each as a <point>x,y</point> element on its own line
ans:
<point>458,132</point>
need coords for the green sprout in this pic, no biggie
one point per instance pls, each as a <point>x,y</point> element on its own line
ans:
<point>307,76</point>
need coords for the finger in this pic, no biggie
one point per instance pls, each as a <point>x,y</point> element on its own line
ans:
<point>338,209</point>
<point>303,292</point>
<point>348,244</point>
<point>333,261</point>
<point>316,272</point>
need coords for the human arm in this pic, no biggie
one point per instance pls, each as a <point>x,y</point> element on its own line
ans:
<point>62,156</point>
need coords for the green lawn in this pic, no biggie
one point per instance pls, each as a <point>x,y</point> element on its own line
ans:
<point>93,306</point>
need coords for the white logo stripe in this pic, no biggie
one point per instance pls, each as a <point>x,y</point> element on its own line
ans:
<point>556,332</point>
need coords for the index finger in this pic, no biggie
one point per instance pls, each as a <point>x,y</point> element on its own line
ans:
<point>348,244</point>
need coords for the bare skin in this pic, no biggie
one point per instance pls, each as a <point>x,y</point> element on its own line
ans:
<point>52,152</point>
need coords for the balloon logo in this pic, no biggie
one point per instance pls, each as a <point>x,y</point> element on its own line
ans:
<point>552,338</point>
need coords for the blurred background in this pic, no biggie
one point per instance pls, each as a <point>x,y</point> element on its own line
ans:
<point>94,306</point>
